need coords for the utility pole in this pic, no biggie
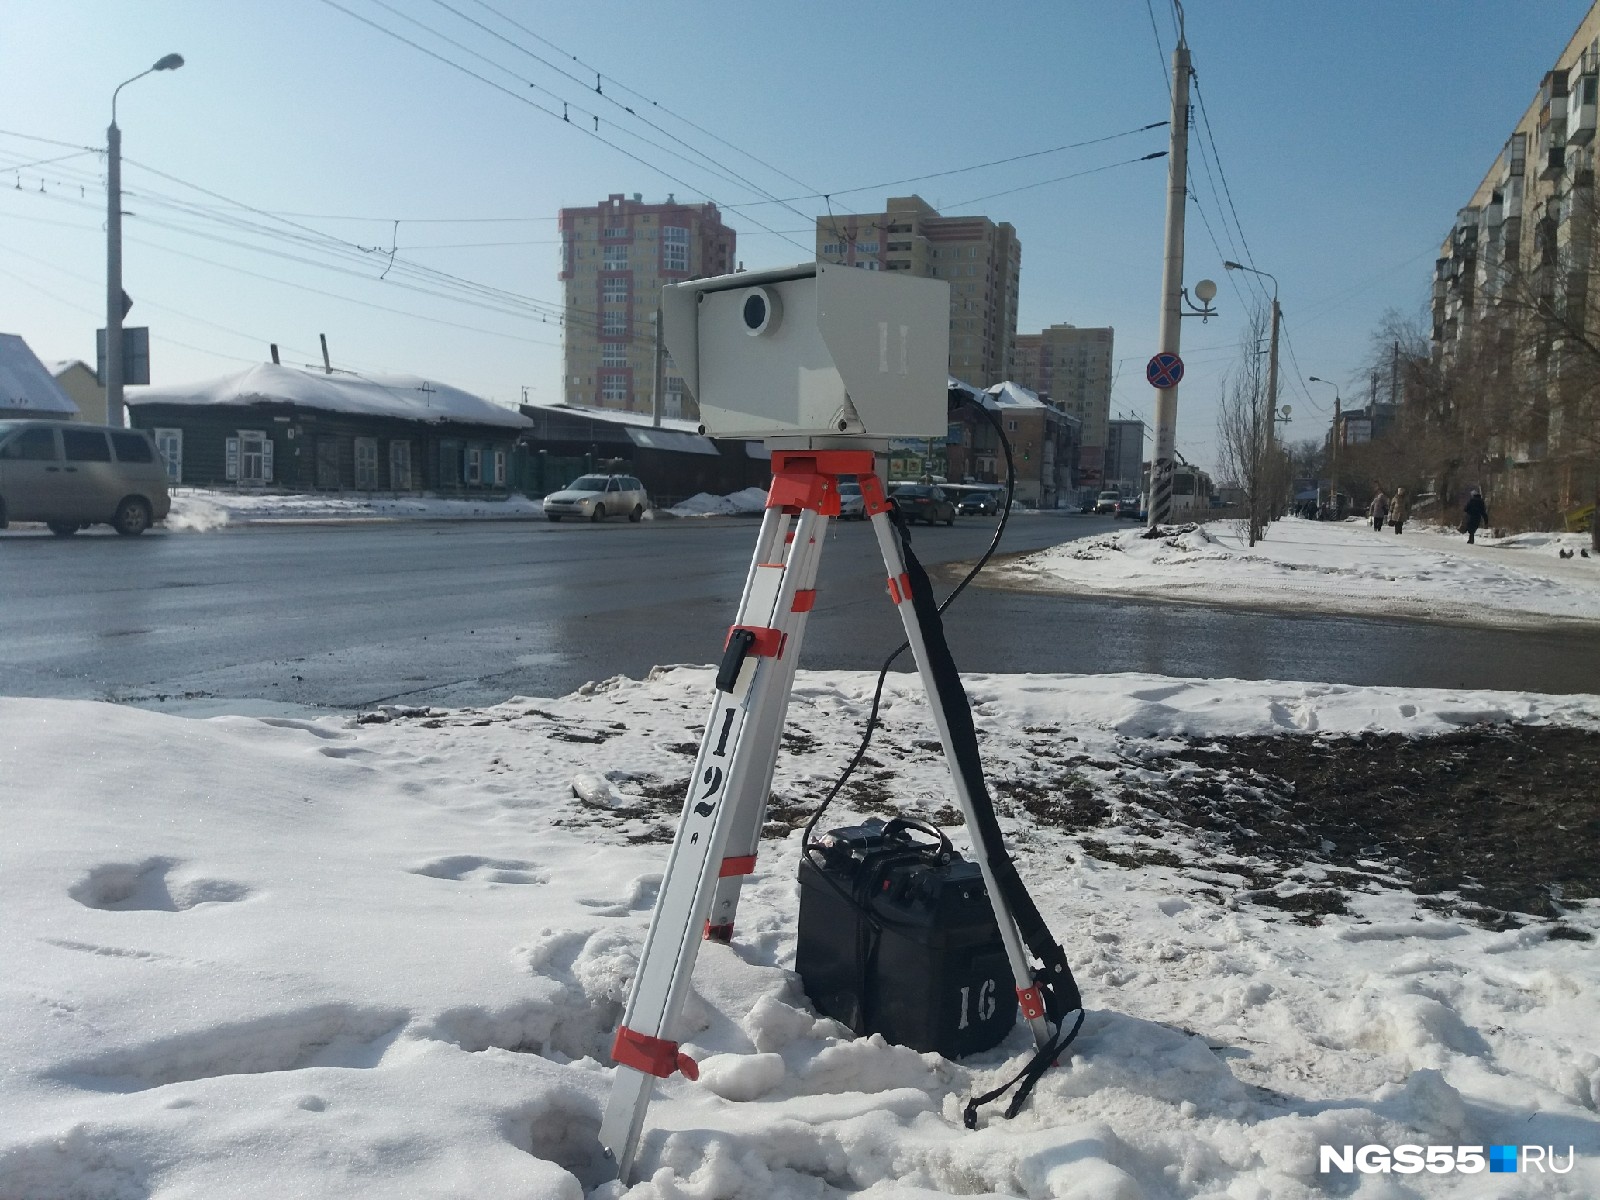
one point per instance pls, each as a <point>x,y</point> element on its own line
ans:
<point>113,368</point>
<point>658,372</point>
<point>1333,456</point>
<point>114,297</point>
<point>1272,385</point>
<point>1161,464</point>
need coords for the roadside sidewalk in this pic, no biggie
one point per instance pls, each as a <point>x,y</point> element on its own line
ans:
<point>1427,573</point>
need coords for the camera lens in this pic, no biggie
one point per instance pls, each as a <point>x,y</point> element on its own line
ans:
<point>755,311</point>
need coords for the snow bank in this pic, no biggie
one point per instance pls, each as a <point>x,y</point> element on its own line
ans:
<point>201,509</point>
<point>384,957</point>
<point>1342,567</point>
<point>704,504</point>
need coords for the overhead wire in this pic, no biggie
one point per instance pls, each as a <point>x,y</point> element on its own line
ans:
<point>594,134</point>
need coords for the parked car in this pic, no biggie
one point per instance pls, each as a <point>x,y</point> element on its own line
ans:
<point>1109,502</point>
<point>924,502</point>
<point>70,476</point>
<point>1132,509</point>
<point>596,497</point>
<point>852,505</point>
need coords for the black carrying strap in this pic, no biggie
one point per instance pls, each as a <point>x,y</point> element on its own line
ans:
<point>1055,982</point>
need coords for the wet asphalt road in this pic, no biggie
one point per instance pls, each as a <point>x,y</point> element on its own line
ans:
<point>348,615</point>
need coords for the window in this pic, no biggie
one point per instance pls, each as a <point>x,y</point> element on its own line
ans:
<point>613,354</point>
<point>474,464</point>
<point>170,443</point>
<point>866,247</point>
<point>674,404</point>
<point>32,445</point>
<point>614,388</point>
<point>614,258</point>
<point>499,468</point>
<point>131,446</point>
<point>328,462</point>
<point>366,462</point>
<point>86,445</point>
<point>400,466</point>
<point>614,322</point>
<point>254,457</point>
<point>1011,425</point>
<point>614,231</point>
<point>614,289</point>
<point>674,248</point>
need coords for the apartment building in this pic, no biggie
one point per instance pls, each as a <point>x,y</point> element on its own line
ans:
<point>615,257</point>
<point>1520,247</point>
<point>981,259</point>
<point>1071,368</point>
<point>1124,460</point>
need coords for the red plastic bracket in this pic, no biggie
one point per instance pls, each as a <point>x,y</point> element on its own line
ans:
<point>805,599</point>
<point>768,643</point>
<point>652,1055</point>
<point>741,865</point>
<point>899,588</point>
<point>1031,1001</point>
<point>719,933</point>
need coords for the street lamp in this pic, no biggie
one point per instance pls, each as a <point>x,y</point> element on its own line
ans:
<point>114,300</point>
<point>1333,444</point>
<point>1272,358</point>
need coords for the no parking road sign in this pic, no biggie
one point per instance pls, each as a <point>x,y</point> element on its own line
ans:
<point>1164,370</point>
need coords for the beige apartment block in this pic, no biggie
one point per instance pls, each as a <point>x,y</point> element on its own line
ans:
<point>615,257</point>
<point>1528,227</point>
<point>1071,368</point>
<point>981,260</point>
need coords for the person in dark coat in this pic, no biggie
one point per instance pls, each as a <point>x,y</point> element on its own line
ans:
<point>1477,515</point>
<point>1379,511</point>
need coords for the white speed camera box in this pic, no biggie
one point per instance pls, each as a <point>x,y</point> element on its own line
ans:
<point>817,349</point>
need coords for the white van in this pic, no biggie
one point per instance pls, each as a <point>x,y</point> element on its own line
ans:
<point>69,475</point>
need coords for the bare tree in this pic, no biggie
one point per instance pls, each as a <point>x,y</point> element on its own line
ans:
<point>1244,455</point>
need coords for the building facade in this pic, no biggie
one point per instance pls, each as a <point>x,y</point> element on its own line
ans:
<point>1071,368</point>
<point>1124,459</point>
<point>1512,302</point>
<point>982,261</point>
<point>615,257</point>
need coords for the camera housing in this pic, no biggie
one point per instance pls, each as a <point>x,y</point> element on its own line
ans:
<point>817,350</point>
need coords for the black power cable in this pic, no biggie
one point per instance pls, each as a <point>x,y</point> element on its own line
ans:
<point>883,672</point>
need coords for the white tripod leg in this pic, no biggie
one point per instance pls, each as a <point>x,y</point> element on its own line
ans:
<point>744,836</point>
<point>900,592</point>
<point>736,754</point>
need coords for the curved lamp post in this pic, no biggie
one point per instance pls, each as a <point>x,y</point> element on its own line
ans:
<point>114,303</point>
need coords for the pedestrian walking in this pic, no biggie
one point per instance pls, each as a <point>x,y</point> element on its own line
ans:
<point>1399,509</point>
<point>1379,512</point>
<point>1477,516</point>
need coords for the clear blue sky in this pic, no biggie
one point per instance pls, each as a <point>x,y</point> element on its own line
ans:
<point>1349,134</point>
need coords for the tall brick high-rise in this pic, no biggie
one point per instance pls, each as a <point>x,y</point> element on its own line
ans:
<point>1071,368</point>
<point>615,256</point>
<point>981,259</point>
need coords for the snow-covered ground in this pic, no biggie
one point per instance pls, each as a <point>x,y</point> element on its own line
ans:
<point>200,509</point>
<point>252,957</point>
<point>1346,567</point>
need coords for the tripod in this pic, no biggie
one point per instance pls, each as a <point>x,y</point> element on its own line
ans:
<point>720,829</point>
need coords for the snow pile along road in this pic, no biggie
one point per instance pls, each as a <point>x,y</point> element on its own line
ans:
<point>273,957</point>
<point>704,504</point>
<point>202,509</point>
<point>1342,567</point>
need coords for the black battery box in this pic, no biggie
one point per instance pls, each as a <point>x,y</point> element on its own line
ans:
<point>897,937</point>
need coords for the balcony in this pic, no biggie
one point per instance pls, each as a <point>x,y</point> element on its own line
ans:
<point>1581,110</point>
<point>1555,164</point>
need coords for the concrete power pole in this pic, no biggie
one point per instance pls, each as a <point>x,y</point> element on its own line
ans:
<point>1272,383</point>
<point>1161,464</point>
<point>113,367</point>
